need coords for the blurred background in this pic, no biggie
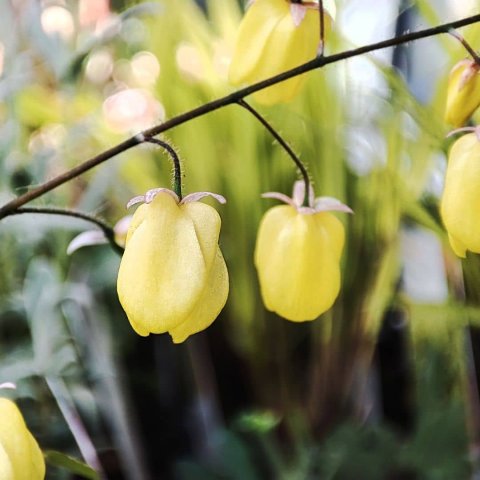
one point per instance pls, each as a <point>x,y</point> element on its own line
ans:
<point>383,386</point>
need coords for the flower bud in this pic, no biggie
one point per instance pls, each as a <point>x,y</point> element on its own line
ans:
<point>460,202</point>
<point>20,455</point>
<point>172,276</point>
<point>297,256</point>
<point>463,94</point>
<point>275,36</point>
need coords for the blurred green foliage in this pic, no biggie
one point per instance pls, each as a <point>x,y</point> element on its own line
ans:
<point>66,98</point>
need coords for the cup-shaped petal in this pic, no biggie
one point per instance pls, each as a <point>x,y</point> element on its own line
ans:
<point>171,255</point>
<point>269,42</point>
<point>461,196</point>
<point>463,93</point>
<point>297,257</point>
<point>20,455</point>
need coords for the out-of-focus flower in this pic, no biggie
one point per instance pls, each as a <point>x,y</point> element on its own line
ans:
<point>20,455</point>
<point>461,196</point>
<point>275,36</point>
<point>97,237</point>
<point>463,94</point>
<point>297,255</point>
<point>172,276</point>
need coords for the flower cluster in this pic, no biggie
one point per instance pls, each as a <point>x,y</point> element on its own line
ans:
<point>173,277</point>
<point>20,455</point>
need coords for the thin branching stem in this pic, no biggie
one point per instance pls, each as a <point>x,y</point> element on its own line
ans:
<point>177,168</point>
<point>284,145</point>
<point>230,99</point>
<point>466,45</point>
<point>105,227</point>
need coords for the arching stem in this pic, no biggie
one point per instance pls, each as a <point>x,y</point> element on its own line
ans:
<point>177,168</point>
<point>285,146</point>
<point>107,230</point>
<point>466,45</point>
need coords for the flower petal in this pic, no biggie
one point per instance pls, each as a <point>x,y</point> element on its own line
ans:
<point>151,194</point>
<point>135,200</point>
<point>168,255</point>
<point>23,452</point>
<point>461,195</point>
<point>297,258</point>
<point>298,13</point>
<point>86,239</point>
<point>326,204</point>
<point>279,196</point>
<point>209,304</point>
<point>195,197</point>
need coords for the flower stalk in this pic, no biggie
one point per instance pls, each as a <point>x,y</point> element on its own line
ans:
<point>299,164</point>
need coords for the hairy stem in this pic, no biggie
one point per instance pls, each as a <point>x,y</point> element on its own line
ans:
<point>316,63</point>
<point>285,146</point>
<point>177,169</point>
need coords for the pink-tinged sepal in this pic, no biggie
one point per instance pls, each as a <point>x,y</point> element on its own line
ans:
<point>315,205</point>
<point>195,197</point>
<point>298,13</point>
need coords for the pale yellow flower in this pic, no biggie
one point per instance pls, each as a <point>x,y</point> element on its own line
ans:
<point>172,276</point>
<point>20,455</point>
<point>463,94</point>
<point>460,202</point>
<point>297,255</point>
<point>275,36</point>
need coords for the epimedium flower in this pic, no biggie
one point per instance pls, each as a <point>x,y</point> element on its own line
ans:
<point>275,36</point>
<point>20,455</point>
<point>463,92</point>
<point>461,195</point>
<point>172,276</point>
<point>297,254</point>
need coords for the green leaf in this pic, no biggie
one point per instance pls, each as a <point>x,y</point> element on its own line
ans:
<point>59,459</point>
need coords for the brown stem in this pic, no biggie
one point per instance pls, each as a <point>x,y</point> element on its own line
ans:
<point>316,63</point>
<point>107,229</point>
<point>466,45</point>
<point>321,15</point>
<point>284,144</point>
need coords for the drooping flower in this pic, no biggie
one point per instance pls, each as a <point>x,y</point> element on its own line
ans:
<point>297,255</point>
<point>275,36</point>
<point>20,455</point>
<point>172,276</point>
<point>460,201</point>
<point>463,93</point>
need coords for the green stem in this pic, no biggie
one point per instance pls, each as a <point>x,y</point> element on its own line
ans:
<point>177,168</point>
<point>285,146</point>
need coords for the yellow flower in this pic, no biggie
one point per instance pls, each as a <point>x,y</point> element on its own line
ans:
<point>461,196</point>
<point>463,94</point>
<point>172,276</point>
<point>275,36</point>
<point>20,455</point>
<point>297,255</point>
